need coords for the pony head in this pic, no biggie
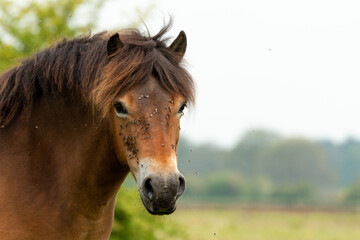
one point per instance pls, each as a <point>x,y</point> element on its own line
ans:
<point>145,111</point>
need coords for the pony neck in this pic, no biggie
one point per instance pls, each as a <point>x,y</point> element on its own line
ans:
<point>69,160</point>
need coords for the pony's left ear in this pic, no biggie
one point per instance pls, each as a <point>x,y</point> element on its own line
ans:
<point>114,44</point>
<point>178,46</point>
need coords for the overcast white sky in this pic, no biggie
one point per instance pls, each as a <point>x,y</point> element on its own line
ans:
<point>288,66</point>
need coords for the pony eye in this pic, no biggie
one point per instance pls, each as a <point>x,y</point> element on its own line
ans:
<point>120,109</point>
<point>182,108</point>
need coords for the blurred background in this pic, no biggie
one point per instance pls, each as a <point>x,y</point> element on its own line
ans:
<point>271,150</point>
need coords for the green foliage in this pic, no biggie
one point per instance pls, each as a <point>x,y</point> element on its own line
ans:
<point>246,154</point>
<point>346,158</point>
<point>28,28</point>
<point>296,161</point>
<point>266,168</point>
<point>193,157</point>
<point>291,194</point>
<point>353,195</point>
<point>133,222</point>
<point>224,185</point>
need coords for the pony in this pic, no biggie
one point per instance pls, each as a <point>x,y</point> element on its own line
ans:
<point>76,118</point>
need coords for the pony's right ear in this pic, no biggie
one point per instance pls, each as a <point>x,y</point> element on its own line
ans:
<point>114,44</point>
<point>178,46</point>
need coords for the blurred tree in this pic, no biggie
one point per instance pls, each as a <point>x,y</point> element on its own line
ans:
<point>297,161</point>
<point>352,196</point>
<point>350,161</point>
<point>290,194</point>
<point>345,158</point>
<point>224,184</point>
<point>203,159</point>
<point>28,28</point>
<point>267,168</point>
<point>256,191</point>
<point>245,155</point>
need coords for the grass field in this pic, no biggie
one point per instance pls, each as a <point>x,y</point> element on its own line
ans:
<point>205,224</point>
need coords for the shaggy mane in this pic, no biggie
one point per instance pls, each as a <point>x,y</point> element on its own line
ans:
<point>80,69</point>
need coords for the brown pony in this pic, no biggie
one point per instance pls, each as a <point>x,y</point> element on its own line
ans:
<point>76,118</point>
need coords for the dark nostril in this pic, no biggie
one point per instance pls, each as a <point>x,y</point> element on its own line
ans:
<point>148,189</point>
<point>181,189</point>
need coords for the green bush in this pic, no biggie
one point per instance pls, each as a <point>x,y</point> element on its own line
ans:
<point>290,194</point>
<point>228,185</point>
<point>352,197</point>
<point>133,222</point>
